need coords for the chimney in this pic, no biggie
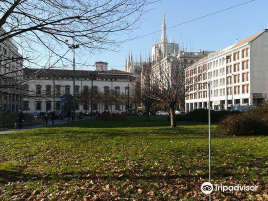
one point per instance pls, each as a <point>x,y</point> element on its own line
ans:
<point>236,41</point>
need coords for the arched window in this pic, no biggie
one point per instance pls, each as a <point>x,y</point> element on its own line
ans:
<point>67,89</point>
<point>117,90</point>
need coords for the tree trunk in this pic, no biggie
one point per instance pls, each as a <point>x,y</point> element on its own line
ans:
<point>148,113</point>
<point>172,116</point>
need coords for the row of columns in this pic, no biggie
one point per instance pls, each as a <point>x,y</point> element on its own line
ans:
<point>10,103</point>
<point>220,106</point>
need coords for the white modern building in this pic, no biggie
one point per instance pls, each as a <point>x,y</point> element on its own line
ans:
<point>238,75</point>
<point>11,65</point>
<point>46,88</point>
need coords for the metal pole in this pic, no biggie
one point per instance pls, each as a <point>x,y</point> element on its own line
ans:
<point>232,90</point>
<point>226,90</point>
<point>54,95</point>
<point>74,103</point>
<point>91,98</point>
<point>209,137</point>
<point>128,98</point>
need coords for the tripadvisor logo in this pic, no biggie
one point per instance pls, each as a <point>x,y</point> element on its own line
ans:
<point>207,188</point>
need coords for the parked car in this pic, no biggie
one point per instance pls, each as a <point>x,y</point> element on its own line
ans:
<point>161,113</point>
<point>177,112</point>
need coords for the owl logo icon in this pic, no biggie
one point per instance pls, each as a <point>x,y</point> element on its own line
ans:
<point>207,188</point>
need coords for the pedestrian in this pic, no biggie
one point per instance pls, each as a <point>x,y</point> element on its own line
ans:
<point>69,115</point>
<point>81,115</point>
<point>53,117</point>
<point>46,117</point>
<point>20,118</point>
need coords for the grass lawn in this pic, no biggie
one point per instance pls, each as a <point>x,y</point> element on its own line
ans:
<point>132,159</point>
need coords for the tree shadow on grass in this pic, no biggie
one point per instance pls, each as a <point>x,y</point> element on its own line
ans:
<point>153,175</point>
<point>7,176</point>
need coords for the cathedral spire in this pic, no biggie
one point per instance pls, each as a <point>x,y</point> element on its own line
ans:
<point>164,35</point>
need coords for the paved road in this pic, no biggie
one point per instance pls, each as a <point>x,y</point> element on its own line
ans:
<point>56,122</point>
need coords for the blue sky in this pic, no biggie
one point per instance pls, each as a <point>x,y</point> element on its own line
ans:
<point>211,33</point>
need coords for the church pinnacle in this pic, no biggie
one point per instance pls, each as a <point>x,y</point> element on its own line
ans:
<point>164,35</point>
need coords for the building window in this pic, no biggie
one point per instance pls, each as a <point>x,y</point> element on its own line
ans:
<point>38,89</point>
<point>95,89</point>
<point>236,78</point>
<point>26,105</point>
<point>127,90</point>
<point>234,56</point>
<point>228,59</point>
<point>117,90</point>
<point>245,77</point>
<point>95,106</point>
<point>106,90</point>
<point>86,89</point>
<point>245,101</point>
<point>244,89</point>
<point>26,89</point>
<point>246,64</point>
<point>58,104</point>
<point>229,91</point>
<point>106,107</point>
<point>57,90</point>
<point>38,105</point>
<point>67,89</point>
<point>77,90</point>
<point>48,90</point>
<point>48,105</point>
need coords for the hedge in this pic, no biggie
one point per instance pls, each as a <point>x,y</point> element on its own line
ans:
<point>251,122</point>
<point>201,115</point>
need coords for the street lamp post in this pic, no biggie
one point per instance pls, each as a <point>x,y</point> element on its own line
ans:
<point>73,47</point>
<point>93,76</point>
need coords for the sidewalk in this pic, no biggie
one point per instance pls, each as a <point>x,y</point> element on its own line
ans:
<point>56,122</point>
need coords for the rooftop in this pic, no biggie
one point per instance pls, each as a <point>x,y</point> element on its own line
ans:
<point>68,73</point>
<point>243,42</point>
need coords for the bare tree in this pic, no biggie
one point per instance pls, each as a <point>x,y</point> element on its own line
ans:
<point>44,30</point>
<point>52,23</point>
<point>140,96</point>
<point>166,84</point>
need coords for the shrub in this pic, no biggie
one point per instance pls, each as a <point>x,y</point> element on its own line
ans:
<point>252,122</point>
<point>7,119</point>
<point>201,115</point>
<point>112,117</point>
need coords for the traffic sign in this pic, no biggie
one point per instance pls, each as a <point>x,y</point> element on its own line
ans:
<point>63,100</point>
